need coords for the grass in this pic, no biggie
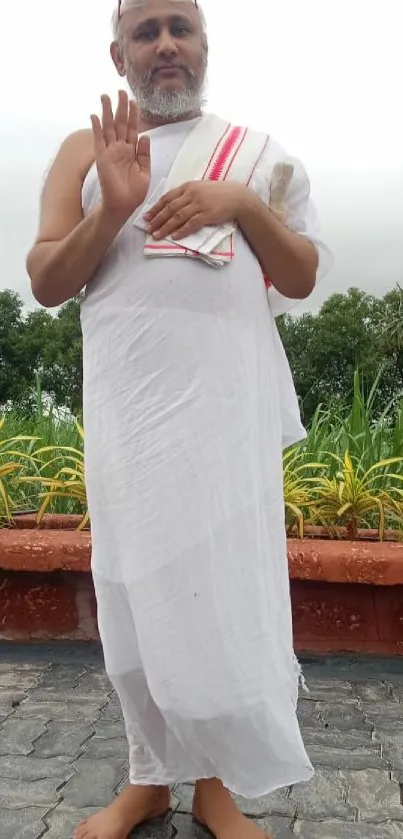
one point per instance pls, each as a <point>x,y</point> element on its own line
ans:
<point>348,472</point>
<point>361,481</point>
<point>51,435</point>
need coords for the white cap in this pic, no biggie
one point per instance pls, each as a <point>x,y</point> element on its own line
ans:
<point>132,4</point>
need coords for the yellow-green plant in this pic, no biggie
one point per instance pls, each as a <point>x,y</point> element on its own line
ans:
<point>68,480</point>
<point>354,495</point>
<point>298,479</point>
<point>12,462</point>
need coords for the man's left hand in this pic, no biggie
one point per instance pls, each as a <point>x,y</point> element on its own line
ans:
<point>194,205</point>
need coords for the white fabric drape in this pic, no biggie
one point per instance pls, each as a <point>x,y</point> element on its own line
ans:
<point>188,402</point>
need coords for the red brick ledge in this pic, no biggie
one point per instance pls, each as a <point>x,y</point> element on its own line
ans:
<point>320,560</point>
<point>323,560</point>
<point>346,596</point>
<point>45,550</point>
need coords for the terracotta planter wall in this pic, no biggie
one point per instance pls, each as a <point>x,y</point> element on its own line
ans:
<point>345,596</point>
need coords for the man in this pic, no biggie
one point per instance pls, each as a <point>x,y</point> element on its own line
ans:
<point>188,402</point>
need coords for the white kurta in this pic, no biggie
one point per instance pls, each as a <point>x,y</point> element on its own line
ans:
<point>188,402</point>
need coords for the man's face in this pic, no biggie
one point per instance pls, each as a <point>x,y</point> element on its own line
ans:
<point>163,54</point>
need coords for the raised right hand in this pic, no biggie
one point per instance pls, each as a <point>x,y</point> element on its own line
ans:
<point>123,160</point>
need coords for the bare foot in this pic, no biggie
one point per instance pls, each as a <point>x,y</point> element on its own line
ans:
<point>214,807</point>
<point>132,807</point>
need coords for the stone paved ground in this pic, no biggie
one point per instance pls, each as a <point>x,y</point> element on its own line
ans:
<point>63,752</point>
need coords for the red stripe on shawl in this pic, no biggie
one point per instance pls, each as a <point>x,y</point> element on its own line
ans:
<point>210,163</point>
<point>222,157</point>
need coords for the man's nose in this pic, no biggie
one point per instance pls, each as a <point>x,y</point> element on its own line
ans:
<point>167,45</point>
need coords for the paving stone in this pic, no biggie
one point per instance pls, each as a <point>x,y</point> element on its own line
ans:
<point>156,829</point>
<point>373,692</point>
<point>346,830</point>
<point>62,822</point>
<point>392,746</point>
<point>9,698</point>
<point>346,758</point>
<point>182,798</point>
<point>22,824</point>
<point>72,707</point>
<point>17,736</point>
<point>276,827</point>
<point>338,739</point>
<point>21,768</point>
<point>97,748</point>
<point>278,803</point>
<point>309,712</point>
<point>185,827</point>
<point>394,756</point>
<point>374,794</point>
<point>62,738</point>
<point>94,783</point>
<point>385,716</point>
<point>125,779</point>
<point>94,681</point>
<point>329,690</point>
<point>397,691</point>
<point>60,710</point>
<point>22,794</point>
<point>112,710</point>
<point>20,679</point>
<point>345,716</point>
<point>322,797</point>
<point>16,667</point>
<point>63,676</point>
<point>109,729</point>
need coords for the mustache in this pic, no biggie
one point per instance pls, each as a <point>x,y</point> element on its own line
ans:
<point>171,65</point>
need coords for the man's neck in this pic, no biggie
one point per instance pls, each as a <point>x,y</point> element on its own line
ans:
<point>147,122</point>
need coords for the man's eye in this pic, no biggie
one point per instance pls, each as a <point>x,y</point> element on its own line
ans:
<point>146,35</point>
<point>179,30</point>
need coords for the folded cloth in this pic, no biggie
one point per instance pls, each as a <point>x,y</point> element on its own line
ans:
<point>281,178</point>
<point>205,244</point>
<point>216,151</point>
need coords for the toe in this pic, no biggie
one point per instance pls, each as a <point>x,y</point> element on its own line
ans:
<point>81,830</point>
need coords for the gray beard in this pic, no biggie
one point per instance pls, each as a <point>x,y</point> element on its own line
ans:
<point>168,104</point>
<point>157,104</point>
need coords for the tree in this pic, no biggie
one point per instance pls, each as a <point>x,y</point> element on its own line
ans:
<point>324,350</point>
<point>62,359</point>
<point>352,331</point>
<point>40,343</point>
<point>17,360</point>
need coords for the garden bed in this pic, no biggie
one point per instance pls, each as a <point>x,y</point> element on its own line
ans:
<point>346,596</point>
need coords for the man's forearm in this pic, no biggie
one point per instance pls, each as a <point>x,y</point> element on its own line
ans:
<point>60,270</point>
<point>290,261</point>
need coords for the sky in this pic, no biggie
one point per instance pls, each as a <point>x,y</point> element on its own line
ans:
<point>321,76</point>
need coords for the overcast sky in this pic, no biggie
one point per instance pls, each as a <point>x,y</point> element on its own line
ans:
<point>323,77</point>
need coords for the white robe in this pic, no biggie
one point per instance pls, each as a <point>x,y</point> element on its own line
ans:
<point>188,402</point>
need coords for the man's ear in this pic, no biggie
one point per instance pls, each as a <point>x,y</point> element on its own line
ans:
<point>117,58</point>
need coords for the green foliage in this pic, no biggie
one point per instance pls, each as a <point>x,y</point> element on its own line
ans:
<point>14,459</point>
<point>60,474</point>
<point>348,472</point>
<point>353,331</point>
<point>354,496</point>
<point>347,362</point>
<point>39,344</point>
